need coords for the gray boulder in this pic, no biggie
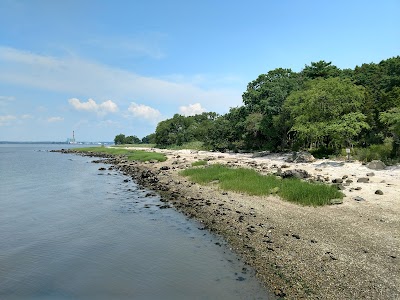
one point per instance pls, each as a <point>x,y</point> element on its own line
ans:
<point>297,173</point>
<point>376,165</point>
<point>301,157</point>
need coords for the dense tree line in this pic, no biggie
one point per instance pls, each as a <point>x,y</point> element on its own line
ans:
<point>320,107</point>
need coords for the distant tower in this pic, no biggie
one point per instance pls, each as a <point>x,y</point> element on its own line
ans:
<point>72,141</point>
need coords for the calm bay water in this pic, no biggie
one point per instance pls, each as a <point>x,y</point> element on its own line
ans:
<point>67,232</point>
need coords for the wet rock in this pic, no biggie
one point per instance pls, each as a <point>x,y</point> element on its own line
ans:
<point>378,192</point>
<point>376,165</point>
<point>363,180</point>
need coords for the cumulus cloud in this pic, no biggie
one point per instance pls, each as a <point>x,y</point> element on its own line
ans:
<point>191,110</point>
<point>91,106</point>
<point>144,112</point>
<point>55,119</point>
<point>75,75</point>
<point>5,120</point>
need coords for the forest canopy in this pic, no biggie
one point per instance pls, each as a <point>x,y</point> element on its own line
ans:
<point>320,107</point>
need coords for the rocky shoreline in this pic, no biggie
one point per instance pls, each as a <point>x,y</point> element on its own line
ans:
<point>346,251</point>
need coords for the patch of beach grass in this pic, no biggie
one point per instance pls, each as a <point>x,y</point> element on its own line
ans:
<point>250,182</point>
<point>199,163</point>
<point>137,155</point>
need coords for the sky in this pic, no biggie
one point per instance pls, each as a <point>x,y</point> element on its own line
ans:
<point>101,68</point>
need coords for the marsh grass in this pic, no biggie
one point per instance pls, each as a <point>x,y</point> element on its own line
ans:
<point>199,163</point>
<point>138,155</point>
<point>250,182</point>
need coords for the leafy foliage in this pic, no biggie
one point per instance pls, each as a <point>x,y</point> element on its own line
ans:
<point>122,139</point>
<point>321,108</point>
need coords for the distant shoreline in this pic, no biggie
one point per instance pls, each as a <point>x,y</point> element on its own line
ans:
<point>345,251</point>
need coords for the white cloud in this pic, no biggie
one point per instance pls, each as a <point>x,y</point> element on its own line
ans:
<point>55,119</point>
<point>91,106</point>
<point>77,76</point>
<point>191,110</point>
<point>144,112</point>
<point>5,120</point>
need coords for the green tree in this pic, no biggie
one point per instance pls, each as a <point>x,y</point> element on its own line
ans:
<point>119,139</point>
<point>392,119</point>
<point>320,69</point>
<point>132,139</point>
<point>149,139</point>
<point>263,101</point>
<point>328,112</point>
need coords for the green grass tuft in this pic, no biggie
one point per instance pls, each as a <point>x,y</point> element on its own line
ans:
<point>138,155</point>
<point>199,163</point>
<point>250,182</point>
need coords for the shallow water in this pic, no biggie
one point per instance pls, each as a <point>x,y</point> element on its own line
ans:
<point>71,231</point>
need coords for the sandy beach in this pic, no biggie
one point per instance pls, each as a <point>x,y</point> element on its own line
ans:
<point>345,251</point>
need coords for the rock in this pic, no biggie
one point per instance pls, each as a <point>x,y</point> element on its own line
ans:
<point>357,198</point>
<point>297,173</point>
<point>337,180</point>
<point>376,165</point>
<point>363,180</point>
<point>336,201</point>
<point>274,190</point>
<point>370,174</point>
<point>349,181</point>
<point>102,169</point>
<point>345,177</point>
<point>357,188</point>
<point>164,168</point>
<point>340,187</point>
<point>378,192</point>
<point>301,157</point>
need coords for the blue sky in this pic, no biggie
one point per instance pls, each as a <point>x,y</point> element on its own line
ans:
<point>102,68</point>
